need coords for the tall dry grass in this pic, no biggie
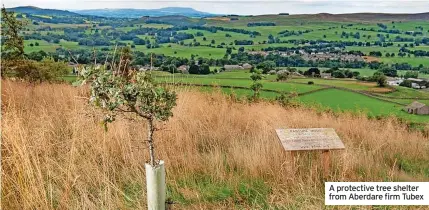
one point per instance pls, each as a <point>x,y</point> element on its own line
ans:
<point>219,154</point>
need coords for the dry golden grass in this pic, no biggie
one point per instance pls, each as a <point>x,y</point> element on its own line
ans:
<point>219,154</point>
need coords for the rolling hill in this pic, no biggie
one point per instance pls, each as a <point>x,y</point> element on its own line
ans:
<point>136,13</point>
<point>370,16</point>
<point>40,11</point>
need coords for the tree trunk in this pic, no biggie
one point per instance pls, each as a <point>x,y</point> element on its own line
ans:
<point>151,129</point>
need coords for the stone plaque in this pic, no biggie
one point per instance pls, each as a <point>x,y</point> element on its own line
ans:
<point>309,139</point>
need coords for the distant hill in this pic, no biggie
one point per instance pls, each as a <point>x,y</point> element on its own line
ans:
<point>39,11</point>
<point>136,13</point>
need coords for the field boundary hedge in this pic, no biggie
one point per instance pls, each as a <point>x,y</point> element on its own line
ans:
<point>239,87</point>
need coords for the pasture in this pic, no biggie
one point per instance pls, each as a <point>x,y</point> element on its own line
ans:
<point>339,100</point>
<point>335,99</point>
<point>319,30</point>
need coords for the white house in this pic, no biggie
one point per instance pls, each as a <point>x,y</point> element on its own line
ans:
<point>394,81</point>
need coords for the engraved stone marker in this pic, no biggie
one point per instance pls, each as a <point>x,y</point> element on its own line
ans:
<point>309,139</point>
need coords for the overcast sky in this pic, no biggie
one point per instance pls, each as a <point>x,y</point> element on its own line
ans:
<point>242,7</point>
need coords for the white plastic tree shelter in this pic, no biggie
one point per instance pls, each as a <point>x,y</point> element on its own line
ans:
<point>155,181</point>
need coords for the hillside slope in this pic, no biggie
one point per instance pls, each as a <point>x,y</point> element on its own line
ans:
<point>40,11</point>
<point>371,17</point>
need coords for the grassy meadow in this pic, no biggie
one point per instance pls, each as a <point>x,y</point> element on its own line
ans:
<point>219,153</point>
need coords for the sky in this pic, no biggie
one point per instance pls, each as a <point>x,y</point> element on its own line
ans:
<point>241,7</point>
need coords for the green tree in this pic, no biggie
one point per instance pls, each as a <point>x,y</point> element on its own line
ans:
<point>12,47</point>
<point>256,85</point>
<point>338,74</point>
<point>204,69</point>
<point>266,66</point>
<point>122,91</point>
<point>194,69</point>
<point>411,74</point>
<point>380,78</point>
<point>388,71</point>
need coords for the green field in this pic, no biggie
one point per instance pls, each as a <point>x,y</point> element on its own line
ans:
<point>350,84</point>
<point>340,100</point>
<point>43,45</point>
<point>276,86</point>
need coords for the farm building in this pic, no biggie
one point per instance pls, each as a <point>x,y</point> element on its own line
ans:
<point>325,75</point>
<point>232,67</point>
<point>183,68</point>
<point>246,66</point>
<point>417,108</point>
<point>394,81</point>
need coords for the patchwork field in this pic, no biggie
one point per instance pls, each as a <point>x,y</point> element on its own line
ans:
<point>326,30</point>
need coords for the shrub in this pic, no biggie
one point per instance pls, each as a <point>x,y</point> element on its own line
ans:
<point>310,82</point>
<point>45,70</point>
<point>285,99</point>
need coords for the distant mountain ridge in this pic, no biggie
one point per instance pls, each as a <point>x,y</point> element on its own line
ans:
<point>40,11</point>
<point>136,13</point>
